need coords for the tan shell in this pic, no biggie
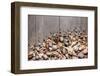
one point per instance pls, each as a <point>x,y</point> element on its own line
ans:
<point>85,51</point>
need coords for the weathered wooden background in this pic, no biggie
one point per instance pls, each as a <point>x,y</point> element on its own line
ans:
<point>40,26</point>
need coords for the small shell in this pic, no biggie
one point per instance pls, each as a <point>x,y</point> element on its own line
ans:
<point>71,51</point>
<point>64,51</point>
<point>53,43</point>
<point>45,57</point>
<point>54,47</point>
<point>32,47</point>
<point>82,47</point>
<point>48,40</point>
<point>74,57</point>
<point>63,58</point>
<point>67,56</point>
<point>37,57</point>
<point>30,55</point>
<point>50,48</point>
<point>61,39</point>
<point>30,52</point>
<point>50,44</point>
<point>40,55</point>
<point>74,43</point>
<point>39,44</point>
<point>80,55</point>
<point>66,44</point>
<point>85,51</point>
<point>58,50</point>
<point>60,44</point>
<point>48,53</point>
<point>76,48</point>
<point>37,48</point>
<point>44,44</point>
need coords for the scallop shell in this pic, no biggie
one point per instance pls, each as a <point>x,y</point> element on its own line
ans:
<point>85,51</point>
<point>61,39</point>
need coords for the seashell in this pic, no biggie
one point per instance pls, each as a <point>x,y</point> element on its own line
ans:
<point>48,53</point>
<point>64,51</point>
<point>85,51</point>
<point>37,57</point>
<point>82,47</point>
<point>55,53</point>
<point>74,43</point>
<point>67,56</point>
<point>71,51</point>
<point>73,38</point>
<point>53,43</point>
<point>44,44</point>
<point>50,44</point>
<point>60,44</point>
<point>37,48</point>
<point>63,58</point>
<point>55,58</point>
<point>45,57</point>
<point>58,50</point>
<point>48,40</point>
<point>32,47</point>
<point>63,45</point>
<point>30,52</point>
<point>39,44</point>
<point>76,48</point>
<point>54,47</point>
<point>66,44</point>
<point>80,55</point>
<point>85,56</point>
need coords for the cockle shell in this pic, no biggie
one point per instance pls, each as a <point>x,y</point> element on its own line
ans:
<point>60,44</point>
<point>80,55</point>
<point>82,47</point>
<point>71,51</point>
<point>50,49</point>
<point>40,55</point>
<point>61,39</point>
<point>30,54</point>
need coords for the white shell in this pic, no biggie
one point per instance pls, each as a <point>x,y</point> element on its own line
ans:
<point>54,47</point>
<point>50,48</point>
<point>61,39</point>
<point>60,44</point>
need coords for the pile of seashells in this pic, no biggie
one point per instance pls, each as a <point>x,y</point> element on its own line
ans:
<point>59,46</point>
